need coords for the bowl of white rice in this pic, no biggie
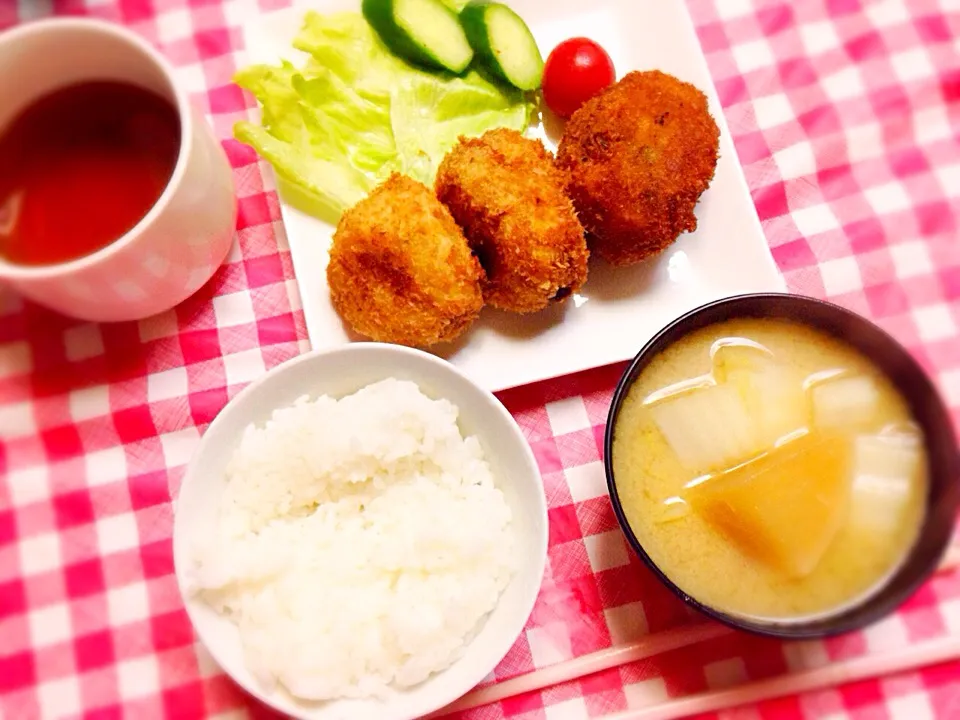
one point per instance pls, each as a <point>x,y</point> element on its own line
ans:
<point>362,533</point>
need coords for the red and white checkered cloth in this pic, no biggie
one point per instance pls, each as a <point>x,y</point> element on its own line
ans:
<point>846,116</point>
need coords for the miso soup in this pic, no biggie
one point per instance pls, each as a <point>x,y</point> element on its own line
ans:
<point>769,470</point>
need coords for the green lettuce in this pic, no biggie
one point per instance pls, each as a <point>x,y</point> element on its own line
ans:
<point>355,113</point>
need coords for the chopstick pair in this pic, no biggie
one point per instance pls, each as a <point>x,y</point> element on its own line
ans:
<point>871,666</point>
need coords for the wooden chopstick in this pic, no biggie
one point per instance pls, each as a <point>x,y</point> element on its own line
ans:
<point>614,657</point>
<point>912,657</point>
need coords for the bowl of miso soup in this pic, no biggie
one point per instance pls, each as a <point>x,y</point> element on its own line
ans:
<point>783,465</point>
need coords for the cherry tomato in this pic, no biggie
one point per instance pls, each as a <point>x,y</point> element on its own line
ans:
<point>575,71</point>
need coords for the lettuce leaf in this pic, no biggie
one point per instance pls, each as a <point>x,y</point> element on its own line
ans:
<point>355,113</point>
<point>429,115</point>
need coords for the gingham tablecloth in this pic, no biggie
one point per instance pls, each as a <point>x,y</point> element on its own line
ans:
<point>846,116</point>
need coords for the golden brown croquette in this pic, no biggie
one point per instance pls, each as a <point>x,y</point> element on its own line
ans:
<point>505,192</point>
<point>637,158</point>
<point>400,268</point>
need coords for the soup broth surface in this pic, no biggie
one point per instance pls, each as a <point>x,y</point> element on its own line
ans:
<point>769,470</point>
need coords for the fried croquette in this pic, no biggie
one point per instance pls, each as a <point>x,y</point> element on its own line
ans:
<point>400,268</point>
<point>637,157</point>
<point>505,192</point>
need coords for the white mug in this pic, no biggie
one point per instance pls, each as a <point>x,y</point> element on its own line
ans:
<point>179,244</point>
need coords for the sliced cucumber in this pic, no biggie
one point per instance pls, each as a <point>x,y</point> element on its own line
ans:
<point>503,42</point>
<point>426,32</point>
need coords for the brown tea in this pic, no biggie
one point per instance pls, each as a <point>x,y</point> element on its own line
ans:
<point>81,167</point>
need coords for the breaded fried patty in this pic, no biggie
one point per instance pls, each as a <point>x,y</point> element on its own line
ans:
<point>400,269</point>
<point>505,192</point>
<point>637,157</point>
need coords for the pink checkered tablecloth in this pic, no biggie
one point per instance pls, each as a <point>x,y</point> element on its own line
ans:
<point>846,116</point>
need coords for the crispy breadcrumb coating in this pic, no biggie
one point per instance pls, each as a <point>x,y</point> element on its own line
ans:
<point>637,157</point>
<point>400,268</point>
<point>505,192</point>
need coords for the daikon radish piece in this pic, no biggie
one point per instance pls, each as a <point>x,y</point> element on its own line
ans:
<point>785,507</point>
<point>886,469</point>
<point>733,357</point>
<point>774,396</point>
<point>879,504</point>
<point>891,455</point>
<point>777,403</point>
<point>847,401</point>
<point>709,428</point>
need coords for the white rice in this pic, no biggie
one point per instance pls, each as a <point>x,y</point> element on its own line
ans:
<point>360,544</point>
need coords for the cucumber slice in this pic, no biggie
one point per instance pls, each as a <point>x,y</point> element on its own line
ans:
<point>503,43</point>
<point>425,32</point>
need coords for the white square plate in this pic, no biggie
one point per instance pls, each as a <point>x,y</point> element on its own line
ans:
<point>619,309</point>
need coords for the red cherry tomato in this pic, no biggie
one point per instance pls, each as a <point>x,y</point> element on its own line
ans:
<point>575,71</point>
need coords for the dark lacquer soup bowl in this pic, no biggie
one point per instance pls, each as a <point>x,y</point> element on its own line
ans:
<point>929,414</point>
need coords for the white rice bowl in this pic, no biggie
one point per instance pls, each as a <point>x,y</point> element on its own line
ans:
<point>201,499</point>
<point>360,543</point>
